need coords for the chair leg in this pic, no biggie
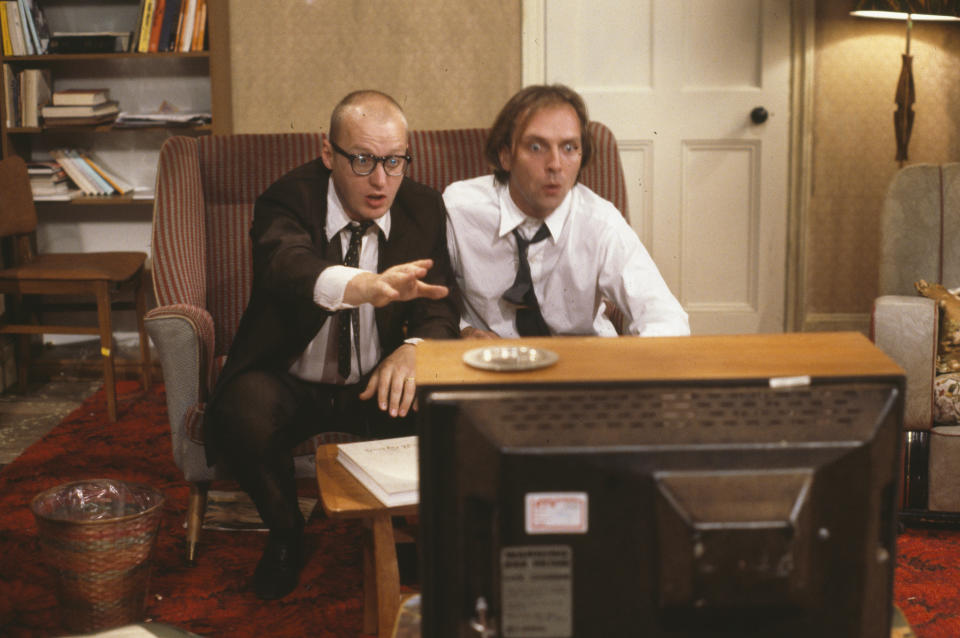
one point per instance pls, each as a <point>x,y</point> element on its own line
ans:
<point>19,313</point>
<point>23,361</point>
<point>196,506</point>
<point>106,348</point>
<point>141,305</point>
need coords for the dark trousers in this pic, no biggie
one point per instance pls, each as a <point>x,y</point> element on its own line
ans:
<point>263,415</point>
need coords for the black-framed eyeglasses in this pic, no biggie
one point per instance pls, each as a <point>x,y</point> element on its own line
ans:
<point>364,163</point>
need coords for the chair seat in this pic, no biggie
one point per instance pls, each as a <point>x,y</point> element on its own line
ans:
<point>109,266</point>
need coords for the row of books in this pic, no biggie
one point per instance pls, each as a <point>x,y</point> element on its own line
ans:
<point>24,93</point>
<point>24,27</point>
<point>171,25</point>
<point>29,100</point>
<point>73,172</point>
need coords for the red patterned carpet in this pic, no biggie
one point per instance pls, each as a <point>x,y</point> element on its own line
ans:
<point>927,583</point>
<point>210,599</point>
<point>213,599</point>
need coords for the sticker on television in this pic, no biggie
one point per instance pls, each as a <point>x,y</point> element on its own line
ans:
<point>556,513</point>
<point>537,591</point>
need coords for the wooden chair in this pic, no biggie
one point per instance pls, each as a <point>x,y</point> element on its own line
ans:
<point>99,274</point>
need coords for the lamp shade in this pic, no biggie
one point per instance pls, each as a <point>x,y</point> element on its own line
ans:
<point>914,9</point>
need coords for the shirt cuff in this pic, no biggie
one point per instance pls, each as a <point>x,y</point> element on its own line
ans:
<point>330,286</point>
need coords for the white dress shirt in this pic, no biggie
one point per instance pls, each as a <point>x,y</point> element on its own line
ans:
<point>319,361</point>
<point>591,253</point>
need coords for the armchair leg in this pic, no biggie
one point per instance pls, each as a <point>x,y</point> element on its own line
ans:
<point>196,506</point>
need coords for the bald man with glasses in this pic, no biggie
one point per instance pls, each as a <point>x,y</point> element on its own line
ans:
<point>350,272</point>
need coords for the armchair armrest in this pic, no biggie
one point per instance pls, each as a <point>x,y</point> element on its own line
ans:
<point>184,338</point>
<point>905,328</point>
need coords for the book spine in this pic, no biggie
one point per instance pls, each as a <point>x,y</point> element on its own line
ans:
<point>5,28</point>
<point>171,14</point>
<point>40,24</point>
<point>146,21</point>
<point>103,187</point>
<point>25,27</point>
<point>198,26</point>
<point>73,172</point>
<point>16,33</point>
<point>115,182</point>
<point>9,96</point>
<point>188,20</point>
<point>31,27</point>
<point>28,93</point>
<point>156,25</point>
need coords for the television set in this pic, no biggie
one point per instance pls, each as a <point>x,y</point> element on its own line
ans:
<point>733,507</point>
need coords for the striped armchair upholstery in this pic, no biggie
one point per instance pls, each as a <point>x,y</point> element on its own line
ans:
<point>201,261</point>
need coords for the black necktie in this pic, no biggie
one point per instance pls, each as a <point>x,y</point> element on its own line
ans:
<point>530,322</point>
<point>351,316</point>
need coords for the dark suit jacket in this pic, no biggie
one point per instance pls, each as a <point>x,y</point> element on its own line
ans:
<point>290,251</point>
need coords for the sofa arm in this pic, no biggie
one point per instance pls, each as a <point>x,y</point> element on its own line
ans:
<point>184,339</point>
<point>905,328</point>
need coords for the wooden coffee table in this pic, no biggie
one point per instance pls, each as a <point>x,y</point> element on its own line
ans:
<point>343,496</point>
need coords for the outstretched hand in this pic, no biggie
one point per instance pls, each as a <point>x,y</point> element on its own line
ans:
<point>394,383</point>
<point>398,283</point>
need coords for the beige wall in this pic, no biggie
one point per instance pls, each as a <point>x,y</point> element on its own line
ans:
<point>857,65</point>
<point>449,63</point>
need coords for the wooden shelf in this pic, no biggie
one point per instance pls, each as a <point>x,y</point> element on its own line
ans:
<point>74,57</point>
<point>107,128</point>
<point>97,200</point>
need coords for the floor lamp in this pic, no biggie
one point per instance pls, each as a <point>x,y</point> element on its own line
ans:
<point>908,10</point>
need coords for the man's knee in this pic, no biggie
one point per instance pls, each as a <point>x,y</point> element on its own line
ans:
<point>250,410</point>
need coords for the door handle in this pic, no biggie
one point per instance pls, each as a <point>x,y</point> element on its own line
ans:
<point>759,115</point>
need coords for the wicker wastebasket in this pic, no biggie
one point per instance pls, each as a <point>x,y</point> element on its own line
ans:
<point>97,536</point>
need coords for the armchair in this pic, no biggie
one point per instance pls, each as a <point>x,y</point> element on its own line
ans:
<point>206,189</point>
<point>920,239</point>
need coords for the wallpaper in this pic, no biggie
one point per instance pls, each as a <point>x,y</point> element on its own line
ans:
<point>857,65</point>
<point>449,64</point>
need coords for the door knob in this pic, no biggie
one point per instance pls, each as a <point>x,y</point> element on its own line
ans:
<point>759,115</point>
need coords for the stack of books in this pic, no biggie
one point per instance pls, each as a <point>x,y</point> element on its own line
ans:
<point>79,107</point>
<point>388,468</point>
<point>48,181</point>
<point>89,174</point>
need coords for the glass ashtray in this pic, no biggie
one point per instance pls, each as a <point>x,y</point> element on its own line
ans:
<point>510,358</point>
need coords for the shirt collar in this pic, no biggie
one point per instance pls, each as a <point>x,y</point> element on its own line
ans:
<point>337,217</point>
<point>512,217</point>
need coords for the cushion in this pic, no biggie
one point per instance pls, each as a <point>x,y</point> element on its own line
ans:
<point>946,398</point>
<point>948,345</point>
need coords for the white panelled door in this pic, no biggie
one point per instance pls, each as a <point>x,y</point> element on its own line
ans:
<point>697,93</point>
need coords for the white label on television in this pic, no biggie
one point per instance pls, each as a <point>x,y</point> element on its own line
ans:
<point>536,588</point>
<point>556,513</point>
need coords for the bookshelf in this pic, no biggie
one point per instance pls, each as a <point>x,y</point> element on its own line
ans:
<point>140,82</point>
